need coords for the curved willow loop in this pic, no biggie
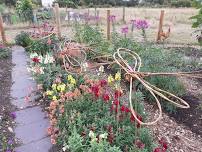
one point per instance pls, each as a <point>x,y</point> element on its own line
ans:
<point>69,58</point>
<point>134,73</point>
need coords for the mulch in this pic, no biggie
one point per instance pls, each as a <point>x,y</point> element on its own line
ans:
<point>6,108</point>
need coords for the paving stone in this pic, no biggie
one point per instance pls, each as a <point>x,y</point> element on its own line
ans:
<point>31,124</point>
<point>22,82</point>
<point>29,116</point>
<point>42,145</point>
<point>32,132</point>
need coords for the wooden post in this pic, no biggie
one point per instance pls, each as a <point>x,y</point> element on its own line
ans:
<point>160,25</point>
<point>2,30</point>
<point>124,14</point>
<point>57,16</point>
<point>68,17</point>
<point>108,25</point>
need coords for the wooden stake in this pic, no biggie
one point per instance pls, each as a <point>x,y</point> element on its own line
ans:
<point>57,16</point>
<point>124,14</point>
<point>108,25</point>
<point>160,26</point>
<point>2,30</point>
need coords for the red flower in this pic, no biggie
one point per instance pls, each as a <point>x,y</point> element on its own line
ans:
<point>112,108</point>
<point>116,102</point>
<point>158,149</point>
<point>140,118</point>
<point>95,89</point>
<point>163,143</point>
<point>132,118</point>
<point>140,144</point>
<point>123,108</point>
<point>117,94</point>
<point>35,59</point>
<point>105,97</point>
<point>103,83</point>
<point>127,110</point>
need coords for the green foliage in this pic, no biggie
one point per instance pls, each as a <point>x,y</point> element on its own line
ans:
<point>181,3</point>
<point>4,52</point>
<point>23,39</point>
<point>2,8</point>
<point>24,9</point>
<point>75,141</point>
<point>67,3</point>
<point>84,113</point>
<point>41,46</point>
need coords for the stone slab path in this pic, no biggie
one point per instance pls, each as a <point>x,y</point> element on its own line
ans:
<point>31,123</point>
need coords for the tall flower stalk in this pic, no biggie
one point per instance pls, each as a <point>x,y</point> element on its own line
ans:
<point>141,25</point>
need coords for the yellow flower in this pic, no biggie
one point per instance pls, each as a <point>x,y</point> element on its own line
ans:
<point>54,86</point>
<point>69,77</point>
<point>73,81</point>
<point>62,87</point>
<point>54,98</point>
<point>49,93</point>
<point>118,76</point>
<point>58,87</point>
<point>110,79</point>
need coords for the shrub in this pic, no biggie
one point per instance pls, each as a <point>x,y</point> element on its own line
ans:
<point>4,52</point>
<point>23,39</point>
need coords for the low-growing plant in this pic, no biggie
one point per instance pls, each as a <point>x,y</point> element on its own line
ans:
<point>4,52</point>
<point>23,39</point>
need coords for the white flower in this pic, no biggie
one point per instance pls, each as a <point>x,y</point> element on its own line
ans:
<point>101,68</point>
<point>85,66</point>
<point>65,148</point>
<point>48,59</point>
<point>103,136</point>
<point>33,55</point>
<point>91,134</point>
<point>40,58</point>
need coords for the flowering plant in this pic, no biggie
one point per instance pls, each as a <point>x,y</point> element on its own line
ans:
<point>141,25</point>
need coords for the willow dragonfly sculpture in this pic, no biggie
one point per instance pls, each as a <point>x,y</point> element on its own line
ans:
<point>134,74</point>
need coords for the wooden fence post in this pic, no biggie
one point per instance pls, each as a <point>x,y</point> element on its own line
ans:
<point>108,24</point>
<point>160,29</point>
<point>124,14</point>
<point>57,16</point>
<point>2,30</point>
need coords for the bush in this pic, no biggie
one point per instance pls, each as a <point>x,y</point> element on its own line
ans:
<point>4,52</point>
<point>23,39</point>
<point>181,3</point>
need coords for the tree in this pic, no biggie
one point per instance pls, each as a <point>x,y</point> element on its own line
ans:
<point>24,9</point>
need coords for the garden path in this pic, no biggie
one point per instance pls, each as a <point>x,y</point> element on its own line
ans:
<point>31,123</point>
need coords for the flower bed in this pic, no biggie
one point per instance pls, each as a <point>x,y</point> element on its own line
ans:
<point>89,113</point>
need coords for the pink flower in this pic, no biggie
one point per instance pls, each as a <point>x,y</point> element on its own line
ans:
<point>141,24</point>
<point>124,30</point>
<point>112,18</point>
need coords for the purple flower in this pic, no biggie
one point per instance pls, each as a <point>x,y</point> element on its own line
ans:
<point>112,18</point>
<point>13,115</point>
<point>124,30</point>
<point>10,141</point>
<point>140,24</point>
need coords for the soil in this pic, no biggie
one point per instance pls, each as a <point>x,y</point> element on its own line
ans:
<point>191,117</point>
<point>6,120</point>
